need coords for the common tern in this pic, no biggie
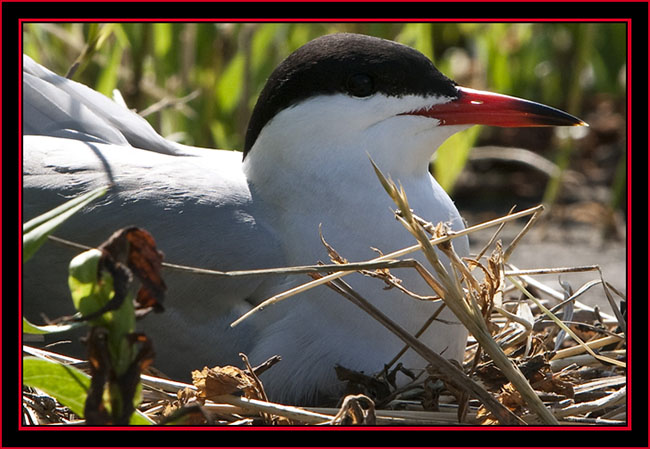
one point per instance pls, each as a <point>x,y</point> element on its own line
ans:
<point>329,108</point>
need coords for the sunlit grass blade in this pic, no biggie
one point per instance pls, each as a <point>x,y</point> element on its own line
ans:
<point>35,231</point>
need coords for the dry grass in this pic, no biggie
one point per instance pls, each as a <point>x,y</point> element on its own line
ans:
<point>527,339</point>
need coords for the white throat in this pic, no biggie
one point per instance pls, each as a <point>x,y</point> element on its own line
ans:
<point>311,162</point>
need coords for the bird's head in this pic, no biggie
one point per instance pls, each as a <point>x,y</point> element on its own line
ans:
<point>350,93</point>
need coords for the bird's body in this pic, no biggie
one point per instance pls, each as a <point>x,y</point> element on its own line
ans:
<point>306,166</point>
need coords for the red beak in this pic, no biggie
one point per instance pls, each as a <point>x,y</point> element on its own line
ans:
<point>476,107</point>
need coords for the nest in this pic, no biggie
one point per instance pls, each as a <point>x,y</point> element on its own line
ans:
<point>535,355</point>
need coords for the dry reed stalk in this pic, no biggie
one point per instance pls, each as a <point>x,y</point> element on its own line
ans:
<point>341,270</point>
<point>464,306</point>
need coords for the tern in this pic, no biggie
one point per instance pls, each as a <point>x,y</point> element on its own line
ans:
<point>326,111</point>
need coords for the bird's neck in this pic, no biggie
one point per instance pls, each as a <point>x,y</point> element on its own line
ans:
<point>330,173</point>
<point>311,165</point>
<point>346,199</point>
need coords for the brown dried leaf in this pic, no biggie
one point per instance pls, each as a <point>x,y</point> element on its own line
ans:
<point>184,395</point>
<point>353,413</point>
<point>146,262</point>
<point>495,266</point>
<point>533,366</point>
<point>136,248</point>
<point>486,418</point>
<point>331,252</point>
<point>553,384</point>
<point>510,397</point>
<point>218,381</point>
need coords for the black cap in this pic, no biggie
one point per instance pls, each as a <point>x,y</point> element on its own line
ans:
<point>352,64</point>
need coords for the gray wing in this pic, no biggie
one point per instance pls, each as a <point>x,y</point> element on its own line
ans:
<point>196,203</point>
<point>56,106</point>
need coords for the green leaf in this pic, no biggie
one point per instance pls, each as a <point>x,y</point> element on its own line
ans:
<point>261,46</point>
<point>418,36</point>
<point>90,294</point>
<point>452,155</point>
<point>66,384</point>
<point>29,328</point>
<point>229,86</point>
<point>162,41</point>
<point>35,231</point>
<point>140,419</point>
<point>108,76</point>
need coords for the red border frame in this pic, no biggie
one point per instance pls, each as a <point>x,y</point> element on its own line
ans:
<point>627,21</point>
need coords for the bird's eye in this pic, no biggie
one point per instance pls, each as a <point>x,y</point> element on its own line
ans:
<point>360,85</point>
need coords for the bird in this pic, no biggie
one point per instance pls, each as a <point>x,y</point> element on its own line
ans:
<point>330,108</point>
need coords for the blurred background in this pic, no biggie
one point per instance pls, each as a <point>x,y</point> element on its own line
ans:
<point>198,82</point>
